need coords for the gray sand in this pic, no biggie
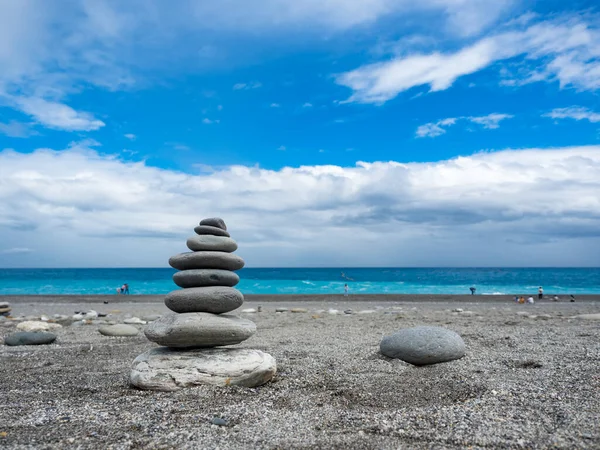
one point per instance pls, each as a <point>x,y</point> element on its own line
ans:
<point>525,382</point>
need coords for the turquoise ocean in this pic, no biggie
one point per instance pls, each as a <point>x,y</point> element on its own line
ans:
<point>489,281</point>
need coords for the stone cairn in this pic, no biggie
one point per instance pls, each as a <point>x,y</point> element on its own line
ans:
<point>193,336</point>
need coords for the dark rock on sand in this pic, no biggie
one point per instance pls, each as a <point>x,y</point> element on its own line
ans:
<point>211,299</point>
<point>195,330</point>
<point>29,338</point>
<point>205,277</point>
<point>214,222</point>
<point>423,345</point>
<point>207,242</point>
<point>164,369</point>
<point>206,260</point>
<point>214,231</point>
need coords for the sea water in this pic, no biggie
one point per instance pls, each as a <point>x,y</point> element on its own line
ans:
<point>511,281</point>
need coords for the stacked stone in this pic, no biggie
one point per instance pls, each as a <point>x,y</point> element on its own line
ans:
<point>199,323</point>
<point>5,309</point>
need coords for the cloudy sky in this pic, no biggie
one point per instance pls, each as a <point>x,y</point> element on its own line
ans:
<point>325,132</point>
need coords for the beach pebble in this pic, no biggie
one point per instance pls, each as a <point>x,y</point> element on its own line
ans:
<point>208,243</point>
<point>249,310</point>
<point>458,310</point>
<point>348,311</point>
<point>280,310</point>
<point>218,421</point>
<point>29,338</point>
<point>164,369</point>
<point>522,313</point>
<point>205,277</point>
<point>134,321</point>
<point>118,330</point>
<point>190,330</point>
<point>211,231</point>
<point>151,317</point>
<point>367,311</point>
<point>299,310</point>
<point>214,222</point>
<point>212,299</point>
<point>206,260</point>
<point>423,345</point>
<point>31,325</point>
<point>588,316</point>
<point>333,311</point>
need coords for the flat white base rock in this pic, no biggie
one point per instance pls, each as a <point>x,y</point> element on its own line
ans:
<point>165,369</point>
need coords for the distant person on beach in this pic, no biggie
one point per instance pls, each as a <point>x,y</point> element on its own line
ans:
<point>572,297</point>
<point>472,289</point>
<point>516,299</point>
<point>530,300</point>
<point>521,299</point>
<point>345,290</point>
<point>540,293</point>
<point>125,289</point>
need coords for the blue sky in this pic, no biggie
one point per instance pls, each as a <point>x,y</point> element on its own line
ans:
<point>379,132</point>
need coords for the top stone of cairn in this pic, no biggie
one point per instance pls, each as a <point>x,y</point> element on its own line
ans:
<point>214,222</point>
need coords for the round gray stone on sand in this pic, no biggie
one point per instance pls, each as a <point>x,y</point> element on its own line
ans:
<point>211,299</point>
<point>119,330</point>
<point>29,338</point>
<point>206,260</point>
<point>207,242</point>
<point>423,345</point>
<point>164,369</point>
<point>194,330</point>
<point>205,277</point>
<point>214,231</point>
<point>214,222</point>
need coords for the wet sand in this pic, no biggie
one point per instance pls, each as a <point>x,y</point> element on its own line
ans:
<point>530,379</point>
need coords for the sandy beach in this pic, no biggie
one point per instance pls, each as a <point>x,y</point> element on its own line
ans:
<point>529,379</point>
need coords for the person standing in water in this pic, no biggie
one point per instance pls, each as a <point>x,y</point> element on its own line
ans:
<point>346,290</point>
<point>540,293</point>
<point>472,289</point>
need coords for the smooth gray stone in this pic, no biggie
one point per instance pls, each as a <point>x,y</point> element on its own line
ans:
<point>207,229</point>
<point>164,369</point>
<point>29,338</point>
<point>206,260</point>
<point>198,330</point>
<point>423,345</point>
<point>118,330</point>
<point>211,299</point>
<point>205,277</point>
<point>208,243</point>
<point>214,222</point>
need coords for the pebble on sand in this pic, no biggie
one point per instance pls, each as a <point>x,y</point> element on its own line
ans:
<point>299,310</point>
<point>423,345</point>
<point>32,325</point>
<point>118,330</point>
<point>29,338</point>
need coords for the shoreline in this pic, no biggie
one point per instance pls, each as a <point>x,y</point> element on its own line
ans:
<point>300,298</point>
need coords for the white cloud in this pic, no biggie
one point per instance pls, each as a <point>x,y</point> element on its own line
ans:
<point>307,105</point>
<point>281,147</point>
<point>17,129</point>
<point>15,250</point>
<point>567,51</point>
<point>247,86</point>
<point>491,121</point>
<point>433,129</point>
<point>275,105</point>
<point>57,115</point>
<point>130,136</point>
<point>574,112</point>
<point>208,121</point>
<point>522,207</point>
